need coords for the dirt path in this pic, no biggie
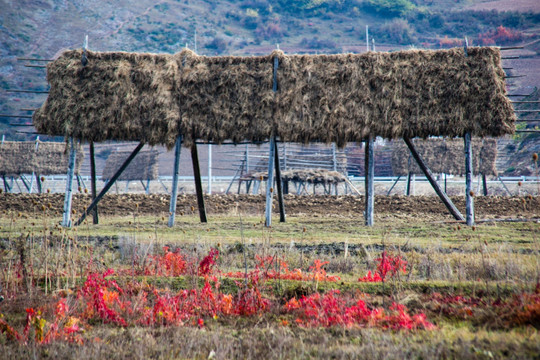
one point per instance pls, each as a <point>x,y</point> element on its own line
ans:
<point>347,206</point>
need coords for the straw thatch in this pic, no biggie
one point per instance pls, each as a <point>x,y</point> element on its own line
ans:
<point>310,176</point>
<point>445,156</point>
<point>144,166</point>
<point>47,158</point>
<point>328,98</point>
<point>116,96</point>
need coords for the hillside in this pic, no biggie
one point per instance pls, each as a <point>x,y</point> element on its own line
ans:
<point>44,28</point>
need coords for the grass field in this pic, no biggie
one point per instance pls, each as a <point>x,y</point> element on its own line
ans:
<point>232,288</point>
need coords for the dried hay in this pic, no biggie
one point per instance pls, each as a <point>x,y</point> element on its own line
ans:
<point>311,176</point>
<point>120,96</point>
<point>327,98</point>
<point>50,158</point>
<point>144,166</point>
<point>445,156</point>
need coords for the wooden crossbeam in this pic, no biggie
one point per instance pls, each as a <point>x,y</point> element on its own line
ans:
<point>109,184</point>
<point>442,195</point>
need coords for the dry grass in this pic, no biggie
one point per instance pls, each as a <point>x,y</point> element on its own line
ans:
<point>328,98</point>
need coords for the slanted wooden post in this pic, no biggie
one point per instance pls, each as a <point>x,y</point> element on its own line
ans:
<point>393,185</point>
<point>174,191</point>
<point>469,201</point>
<point>93,180</point>
<point>279,183</point>
<point>271,153</point>
<point>369,181</point>
<point>270,182</point>
<point>198,182</point>
<point>66,220</point>
<point>484,184</point>
<point>445,199</point>
<point>109,184</point>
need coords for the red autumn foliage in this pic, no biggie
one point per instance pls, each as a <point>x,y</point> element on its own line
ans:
<point>266,268</point>
<point>333,309</point>
<point>207,264</point>
<point>500,35</point>
<point>387,265</point>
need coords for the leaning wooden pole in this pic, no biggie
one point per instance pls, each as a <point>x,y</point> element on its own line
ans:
<point>93,187</point>
<point>445,199</point>
<point>369,181</point>
<point>109,184</point>
<point>469,201</point>
<point>484,185</point>
<point>198,182</point>
<point>279,183</point>
<point>174,191</point>
<point>66,219</point>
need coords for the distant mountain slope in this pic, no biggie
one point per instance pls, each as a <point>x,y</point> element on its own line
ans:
<point>44,28</point>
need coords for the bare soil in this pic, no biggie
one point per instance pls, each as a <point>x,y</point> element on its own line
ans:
<point>345,206</point>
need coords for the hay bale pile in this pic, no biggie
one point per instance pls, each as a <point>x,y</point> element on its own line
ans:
<point>445,156</point>
<point>328,98</point>
<point>310,176</point>
<point>144,166</point>
<point>50,158</point>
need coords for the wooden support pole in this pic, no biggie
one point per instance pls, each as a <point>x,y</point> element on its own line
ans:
<point>279,183</point>
<point>409,180</point>
<point>393,185</point>
<point>198,182</point>
<point>270,183</point>
<point>442,195</point>
<point>93,180</point>
<point>7,188</point>
<point>484,185</point>
<point>66,219</point>
<point>369,180</point>
<point>109,184</point>
<point>38,184</point>
<point>174,190</point>
<point>469,201</point>
<point>271,153</point>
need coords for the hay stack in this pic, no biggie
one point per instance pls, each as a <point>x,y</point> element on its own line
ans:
<point>144,166</point>
<point>310,176</point>
<point>445,156</point>
<point>327,98</point>
<point>116,96</point>
<point>19,158</point>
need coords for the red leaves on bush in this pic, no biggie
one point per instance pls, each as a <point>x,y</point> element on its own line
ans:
<point>206,265</point>
<point>168,264</point>
<point>100,295</point>
<point>266,268</point>
<point>332,309</point>
<point>387,265</point>
<point>500,35</point>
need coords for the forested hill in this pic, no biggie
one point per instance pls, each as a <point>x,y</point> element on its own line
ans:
<point>43,28</point>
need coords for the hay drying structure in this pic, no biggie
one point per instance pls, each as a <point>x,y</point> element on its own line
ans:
<point>50,158</point>
<point>144,166</point>
<point>310,176</point>
<point>327,98</point>
<point>445,156</point>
